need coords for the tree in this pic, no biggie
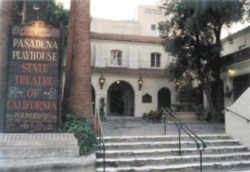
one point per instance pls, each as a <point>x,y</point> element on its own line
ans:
<point>192,32</point>
<point>49,12</point>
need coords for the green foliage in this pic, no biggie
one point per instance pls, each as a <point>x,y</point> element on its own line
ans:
<point>49,12</point>
<point>154,116</point>
<point>83,131</point>
<point>192,31</point>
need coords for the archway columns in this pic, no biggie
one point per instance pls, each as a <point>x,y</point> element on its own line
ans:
<point>150,86</point>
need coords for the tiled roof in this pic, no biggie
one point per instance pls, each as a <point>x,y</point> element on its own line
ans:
<point>129,38</point>
<point>129,71</point>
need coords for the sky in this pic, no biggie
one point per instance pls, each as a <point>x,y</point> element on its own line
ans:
<point>115,9</point>
<point>126,10</point>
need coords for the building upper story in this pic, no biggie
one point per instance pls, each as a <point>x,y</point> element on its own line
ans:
<point>236,42</point>
<point>132,44</point>
<point>145,23</point>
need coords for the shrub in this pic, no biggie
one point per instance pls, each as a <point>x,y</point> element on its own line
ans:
<point>83,131</point>
<point>155,116</point>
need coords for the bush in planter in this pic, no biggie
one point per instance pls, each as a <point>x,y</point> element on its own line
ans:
<point>153,116</point>
<point>83,131</point>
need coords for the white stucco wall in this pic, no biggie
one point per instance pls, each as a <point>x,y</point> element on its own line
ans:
<point>115,27</point>
<point>150,86</point>
<point>146,16</point>
<point>237,127</point>
<point>134,55</point>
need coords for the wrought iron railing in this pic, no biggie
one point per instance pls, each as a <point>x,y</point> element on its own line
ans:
<point>181,126</point>
<point>100,137</point>
<point>239,115</point>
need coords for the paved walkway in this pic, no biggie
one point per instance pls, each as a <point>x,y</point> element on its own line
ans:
<point>138,127</point>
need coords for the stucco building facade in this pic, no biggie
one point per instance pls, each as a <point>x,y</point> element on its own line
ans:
<point>128,64</point>
<point>236,74</point>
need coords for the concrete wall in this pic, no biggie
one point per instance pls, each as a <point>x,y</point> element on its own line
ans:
<point>237,127</point>
<point>150,86</point>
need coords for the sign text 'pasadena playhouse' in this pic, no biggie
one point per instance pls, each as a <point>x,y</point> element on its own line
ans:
<point>33,79</point>
<point>34,54</point>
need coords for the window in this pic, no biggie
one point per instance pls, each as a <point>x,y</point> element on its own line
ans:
<point>153,27</point>
<point>116,57</point>
<point>147,98</point>
<point>155,60</point>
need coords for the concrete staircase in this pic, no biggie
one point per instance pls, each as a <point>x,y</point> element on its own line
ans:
<point>160,154</point>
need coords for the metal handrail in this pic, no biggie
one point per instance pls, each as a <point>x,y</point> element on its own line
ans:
<point>200,144</point>
<point>99,133</point>
<point>239,115</point>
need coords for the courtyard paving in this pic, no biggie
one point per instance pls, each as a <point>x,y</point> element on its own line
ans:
<point>123,126</point>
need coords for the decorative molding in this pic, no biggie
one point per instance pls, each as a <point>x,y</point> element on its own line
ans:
<point>129,38</point>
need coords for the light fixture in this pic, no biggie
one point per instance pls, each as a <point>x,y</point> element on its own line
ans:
<point>102,81</point>
<point>140,82</point>
<point>231,72</point>
<point>178,83</point>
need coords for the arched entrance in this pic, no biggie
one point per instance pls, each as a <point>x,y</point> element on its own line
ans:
<point>164,98</point>
<point>93,99</point>
<point>121,99</point>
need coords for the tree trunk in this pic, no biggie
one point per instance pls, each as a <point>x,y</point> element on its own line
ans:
<point>79,70</point>
<point>66,108</point>
<point>6,18</point>
<point>211,111</point>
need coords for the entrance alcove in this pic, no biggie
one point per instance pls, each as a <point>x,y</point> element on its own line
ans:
<point>121,99</point>
<point>164,98</point>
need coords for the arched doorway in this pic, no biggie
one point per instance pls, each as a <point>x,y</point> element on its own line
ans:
<point>164,98</point>
<point>93,99</point>
<point>121,99</point>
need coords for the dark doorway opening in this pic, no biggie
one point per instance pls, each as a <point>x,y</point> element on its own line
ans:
<point>240,84</point>
<point>121,99</point>
<point>164,98</point>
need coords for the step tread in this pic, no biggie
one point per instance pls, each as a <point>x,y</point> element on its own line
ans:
<point>162,136</point>
<point>172,167</point>
<point>174,157</point>
<point>166,142</point>
<point>134,151</point>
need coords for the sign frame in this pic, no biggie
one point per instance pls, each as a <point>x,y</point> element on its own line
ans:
<point>60,40</point>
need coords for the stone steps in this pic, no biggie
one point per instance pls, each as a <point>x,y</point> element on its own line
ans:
<point>187,167</point>
<point>169,144</point>
<point>171,151</point>
<point>168,160</point>
<point>161,138</point>
<point>160,153</point>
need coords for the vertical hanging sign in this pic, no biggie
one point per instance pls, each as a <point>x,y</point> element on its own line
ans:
<point>33,78</point>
